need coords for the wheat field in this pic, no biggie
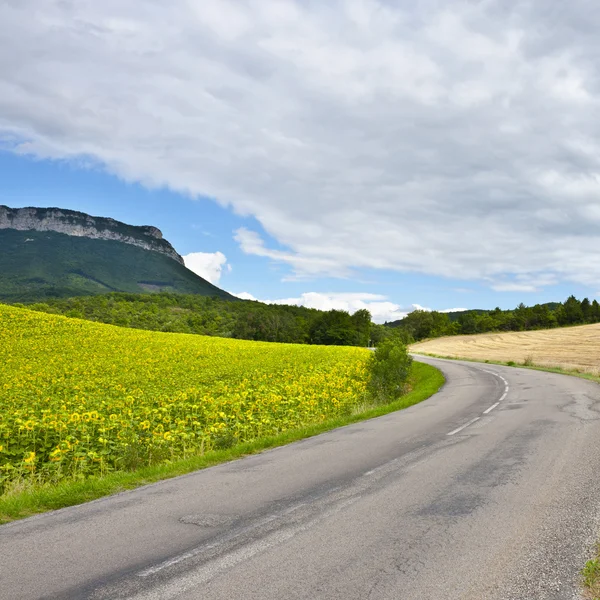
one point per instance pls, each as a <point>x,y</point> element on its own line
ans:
<point>570,348</point>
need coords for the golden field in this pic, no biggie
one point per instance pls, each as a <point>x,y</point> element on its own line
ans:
<point>571,348</point>
<point>80,398</point>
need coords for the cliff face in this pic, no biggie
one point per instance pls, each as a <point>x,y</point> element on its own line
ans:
<point>79,224</point>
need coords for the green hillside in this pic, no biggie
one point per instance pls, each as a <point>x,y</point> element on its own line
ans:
<point>36,266</point>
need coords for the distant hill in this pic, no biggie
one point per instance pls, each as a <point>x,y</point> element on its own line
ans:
<point>453,316</point>
<point>55,253</point>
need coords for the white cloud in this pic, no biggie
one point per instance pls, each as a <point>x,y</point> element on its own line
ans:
<point>457,140</point>
<point>445,310</point>
<point>251,243</point>
<point>379,306</point>
<point>209,265</point>
<point>245,296</point>
<point>513,287</point>
<point>419,307</point>
<point>524,283</point>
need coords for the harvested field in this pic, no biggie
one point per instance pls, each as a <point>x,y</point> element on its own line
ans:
<point>571,348</point>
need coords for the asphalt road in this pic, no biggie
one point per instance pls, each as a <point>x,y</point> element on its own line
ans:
<point>408,506</point>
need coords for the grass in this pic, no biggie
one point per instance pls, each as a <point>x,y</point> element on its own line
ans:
<point>424,382</point>
<point>571,349</point>
<point>591,576</point>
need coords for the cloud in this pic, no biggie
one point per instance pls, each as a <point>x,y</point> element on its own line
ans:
<point>458,141</point>
<point>524,283</point>
<point>419,307</point>
<point>209,265</point>
<point>251,243</point>
<point>445,310</point>
<point>246,296</point>
<point>514,287</point>
<point>379,306</point>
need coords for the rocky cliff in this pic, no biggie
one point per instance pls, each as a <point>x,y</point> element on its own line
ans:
<point>79,224</point>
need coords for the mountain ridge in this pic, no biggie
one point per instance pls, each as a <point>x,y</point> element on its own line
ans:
<point>79,224</point>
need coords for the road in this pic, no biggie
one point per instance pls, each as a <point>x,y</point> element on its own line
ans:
<point>409,506</point>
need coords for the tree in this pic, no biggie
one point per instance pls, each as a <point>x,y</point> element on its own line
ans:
<point>595,311</point>
<point>334,327</point>
<point>586,310</point>
<point>362,323</point>
<point>467,322</point>
<point>570,312</point>
<point>389,369</point>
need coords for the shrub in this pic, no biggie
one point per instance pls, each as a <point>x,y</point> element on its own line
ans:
<point>389,368</point>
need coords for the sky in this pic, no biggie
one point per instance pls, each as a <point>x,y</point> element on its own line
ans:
<point>348,154</point>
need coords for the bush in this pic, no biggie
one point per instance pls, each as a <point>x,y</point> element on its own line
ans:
<point>389,369</point>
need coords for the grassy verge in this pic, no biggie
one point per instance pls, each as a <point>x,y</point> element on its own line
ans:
<point>424,382</point>
<point>591,577</point>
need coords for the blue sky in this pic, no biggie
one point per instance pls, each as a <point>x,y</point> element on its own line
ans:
<point>349,155</point>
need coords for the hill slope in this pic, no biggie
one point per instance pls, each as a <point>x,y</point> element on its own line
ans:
<point>39,265</point>
<point>566,347</point>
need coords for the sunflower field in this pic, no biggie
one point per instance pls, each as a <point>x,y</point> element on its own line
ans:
<point>79,398</point>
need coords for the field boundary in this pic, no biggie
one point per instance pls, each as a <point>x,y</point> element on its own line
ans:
<point>425,381</point>
<point>512,363</point>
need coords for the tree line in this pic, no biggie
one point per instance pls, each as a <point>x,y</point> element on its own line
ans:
<point>205,315</point>
<point>420,324</point>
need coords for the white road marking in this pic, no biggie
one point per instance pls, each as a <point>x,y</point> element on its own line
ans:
<point>487,410</point>
<point>491,408</point>
<point>464,426</point>
<point>207,571</point>
<point>200,549</point>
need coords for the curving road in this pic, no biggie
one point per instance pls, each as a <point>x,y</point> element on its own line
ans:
<point>488,490</point>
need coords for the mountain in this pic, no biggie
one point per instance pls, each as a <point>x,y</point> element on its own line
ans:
<point>57,253</point>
